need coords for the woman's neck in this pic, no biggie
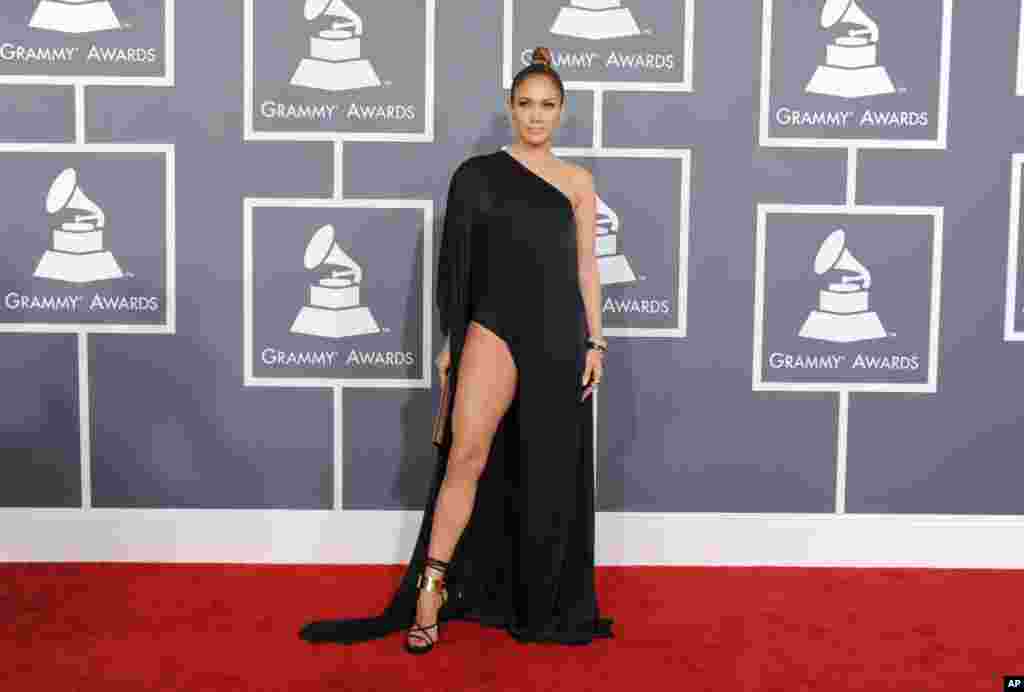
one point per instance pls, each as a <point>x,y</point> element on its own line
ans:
<point>527,152</point>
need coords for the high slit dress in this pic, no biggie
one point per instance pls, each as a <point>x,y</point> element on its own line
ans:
<point>525,561</point>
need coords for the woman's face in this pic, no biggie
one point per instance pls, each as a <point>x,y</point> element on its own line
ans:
<point>536,110</point>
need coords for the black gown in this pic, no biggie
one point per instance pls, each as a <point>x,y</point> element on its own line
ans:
<point>525,561</point>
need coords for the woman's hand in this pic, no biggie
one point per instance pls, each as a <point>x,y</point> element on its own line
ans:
<point>593,372</point>
<point>443,362</point>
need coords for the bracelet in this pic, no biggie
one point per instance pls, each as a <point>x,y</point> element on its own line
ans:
<point>597,345</point>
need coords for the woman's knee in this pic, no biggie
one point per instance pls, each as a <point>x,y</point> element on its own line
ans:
<point>467,461</point>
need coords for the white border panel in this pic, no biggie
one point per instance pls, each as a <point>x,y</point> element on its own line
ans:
<point>1013,251</point>
<point>766,140</point>
<point>759,385</point>
<point>170,297</point>
<point>249,66</point>
<point>426,206</point>
<point>631,538</point>
<point>509,59</point>
<point>1020,53</point>
<point>165,81</point>
<point>683,155</point>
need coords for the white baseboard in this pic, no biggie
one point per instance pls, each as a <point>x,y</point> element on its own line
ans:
<point>384,537</point>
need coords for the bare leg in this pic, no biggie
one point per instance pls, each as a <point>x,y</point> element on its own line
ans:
<point>487,383</point>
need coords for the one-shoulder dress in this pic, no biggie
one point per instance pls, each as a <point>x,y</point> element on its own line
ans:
<point>525,561</point>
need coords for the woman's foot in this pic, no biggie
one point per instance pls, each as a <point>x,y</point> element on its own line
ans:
<point>425,632</point>
<point>426,617</point>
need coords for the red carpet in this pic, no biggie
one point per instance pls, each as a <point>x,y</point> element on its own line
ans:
<point>112,627</point>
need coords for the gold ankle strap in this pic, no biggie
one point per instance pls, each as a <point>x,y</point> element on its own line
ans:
<point>433,583</point>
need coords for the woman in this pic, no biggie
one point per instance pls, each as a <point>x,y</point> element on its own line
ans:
<point>507,537</point>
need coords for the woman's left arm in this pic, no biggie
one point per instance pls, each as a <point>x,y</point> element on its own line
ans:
<point>590,280</point>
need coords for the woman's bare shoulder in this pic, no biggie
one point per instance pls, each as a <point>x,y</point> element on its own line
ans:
<point>578,179</point>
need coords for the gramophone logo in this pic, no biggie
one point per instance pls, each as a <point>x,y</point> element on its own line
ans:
<point>611,45</point>
<point>612,265</point>
<point>335,61</point>
<point>851,68</point>
<point>595,20</point>
<point>75,16</point>
<point>334,309</point>
<point>843,315</point>
<point>77,253</point>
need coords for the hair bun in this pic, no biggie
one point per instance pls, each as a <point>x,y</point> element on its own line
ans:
<point>542,56</point>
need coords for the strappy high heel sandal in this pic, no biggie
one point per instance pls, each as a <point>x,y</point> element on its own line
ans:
<point>435,583</point>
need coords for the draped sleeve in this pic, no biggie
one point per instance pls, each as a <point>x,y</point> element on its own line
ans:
<point>453,259</point>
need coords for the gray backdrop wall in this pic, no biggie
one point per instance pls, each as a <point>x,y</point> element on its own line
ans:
<point>189,386</point>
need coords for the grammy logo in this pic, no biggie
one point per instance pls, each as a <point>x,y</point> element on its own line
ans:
<point>74,16</point>
<point>77,254</point>
<point>612,265</point>
<point>851,68</point>
<point>335,62</point>
<point>842,315</point>
<point>333,310</point>
<point>595,20</point>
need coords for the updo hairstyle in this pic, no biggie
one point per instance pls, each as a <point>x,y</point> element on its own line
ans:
<point>540,63</point>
